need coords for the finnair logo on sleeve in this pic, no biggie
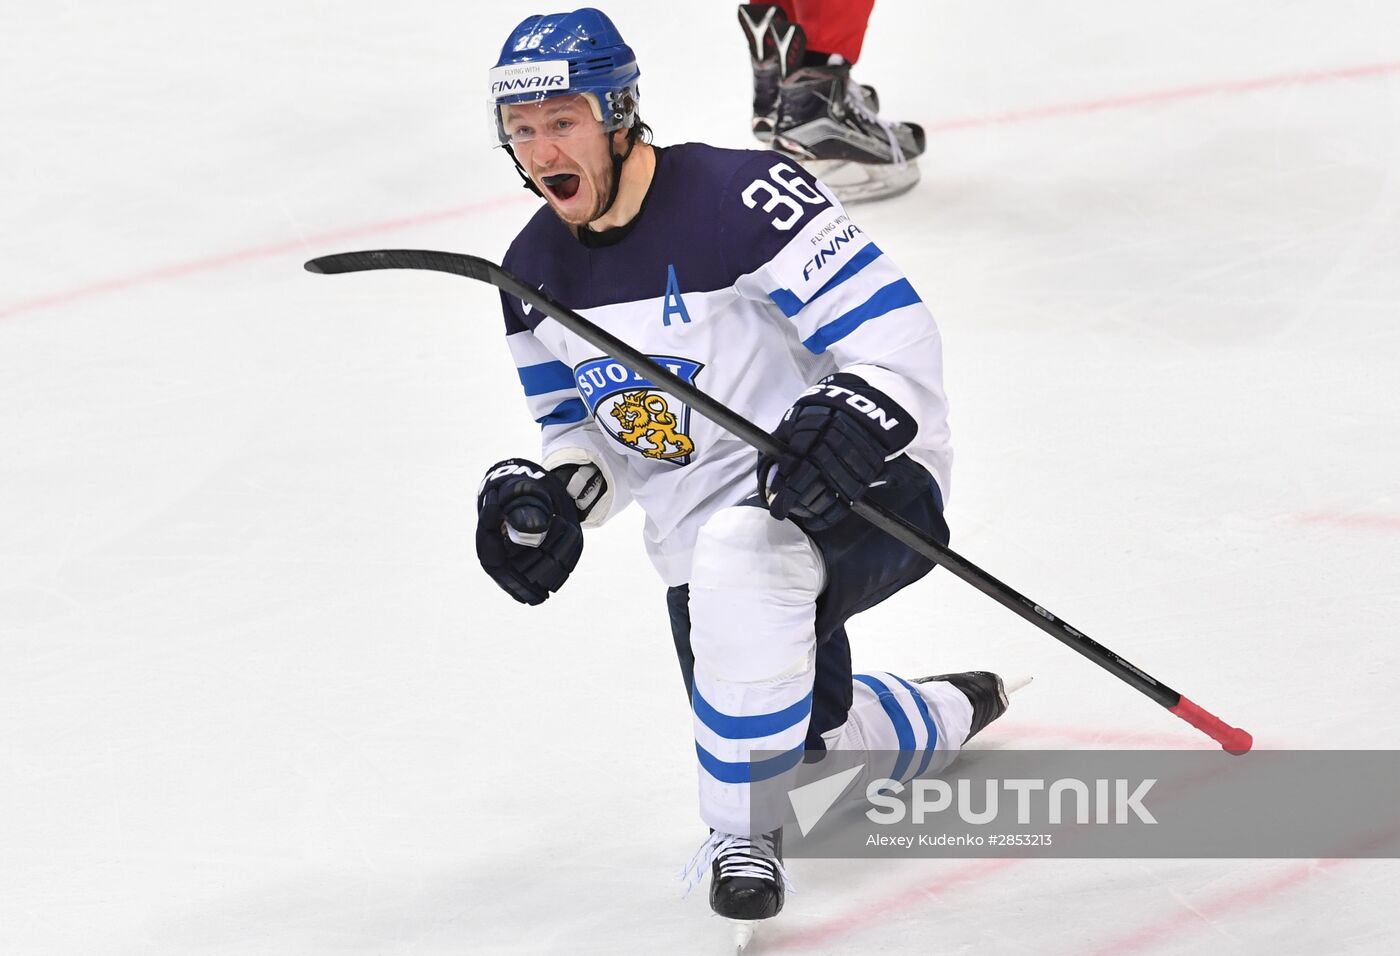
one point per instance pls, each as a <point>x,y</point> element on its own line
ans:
<point>829,242</point>
<point>542,76</point>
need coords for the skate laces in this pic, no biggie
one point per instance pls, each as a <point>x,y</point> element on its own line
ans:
<point>736,855</point>
<point>856,101</point>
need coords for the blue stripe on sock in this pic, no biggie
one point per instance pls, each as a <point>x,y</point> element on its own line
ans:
<point>744,771</point>
<point>903,730</point>
<point>896,295</point>
<point>750,726</point>
<point>566,413</point>
<point>545,378</point>
<point>928,723</point>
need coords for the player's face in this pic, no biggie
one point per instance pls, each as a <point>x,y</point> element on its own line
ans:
<point>564,150</point>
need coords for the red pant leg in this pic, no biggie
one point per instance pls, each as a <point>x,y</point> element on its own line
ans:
<point>834,26</point>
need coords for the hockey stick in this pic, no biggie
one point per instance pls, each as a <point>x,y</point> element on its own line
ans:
<point>1233,739</point>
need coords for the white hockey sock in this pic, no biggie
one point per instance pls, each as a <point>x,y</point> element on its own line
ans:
<point>925,724</point>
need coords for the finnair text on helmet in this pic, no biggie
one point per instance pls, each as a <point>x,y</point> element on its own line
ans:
<point>536,76</point>
<point>1111,801</point>
<point>860,403</point>
<point>527,83</point>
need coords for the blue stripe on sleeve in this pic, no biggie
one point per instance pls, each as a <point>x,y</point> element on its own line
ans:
<point>546,377</point>
<point>896,295</point>
<point>903,730</point>
<point>928,723</point>
<point>749,727</point>
<point>786,300</point>
<point>744,771</point>
<point>565,413</point>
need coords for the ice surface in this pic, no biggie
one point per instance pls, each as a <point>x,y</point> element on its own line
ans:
<point>256,696</point>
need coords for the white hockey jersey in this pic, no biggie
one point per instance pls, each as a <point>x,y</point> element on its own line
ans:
<point>741,274</point>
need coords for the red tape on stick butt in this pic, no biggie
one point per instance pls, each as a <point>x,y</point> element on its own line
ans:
<point>1233,739</point>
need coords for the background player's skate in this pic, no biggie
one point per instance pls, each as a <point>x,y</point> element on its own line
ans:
<point>760,23</point>
<point>833,125</point>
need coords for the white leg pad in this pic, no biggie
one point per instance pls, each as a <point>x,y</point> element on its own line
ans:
<point>753,593</point>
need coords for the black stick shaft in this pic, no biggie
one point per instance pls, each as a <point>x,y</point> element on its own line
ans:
<point>1232,738</point>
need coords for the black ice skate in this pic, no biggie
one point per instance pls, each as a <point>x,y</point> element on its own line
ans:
<point>984,689</point>
<point>833,125</point>
<point>760,22</point>
<point>747,879</point>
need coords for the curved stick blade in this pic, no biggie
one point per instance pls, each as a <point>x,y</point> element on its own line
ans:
<point>454,263</point>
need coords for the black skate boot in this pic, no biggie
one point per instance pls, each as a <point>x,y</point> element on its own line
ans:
<point>747,880</point>
<point>833,125</point>
<point>984,689</point>
<point>759,21</point>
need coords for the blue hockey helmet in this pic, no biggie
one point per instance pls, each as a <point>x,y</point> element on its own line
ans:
<point>561,54</point>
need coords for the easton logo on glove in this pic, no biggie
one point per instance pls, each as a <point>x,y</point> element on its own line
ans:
<point>513,466</point>
<point>863,404</point>
<point>839,433</point>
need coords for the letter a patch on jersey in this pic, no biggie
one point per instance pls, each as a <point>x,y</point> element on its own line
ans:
<point>635,411</point>
<point>673,304</point>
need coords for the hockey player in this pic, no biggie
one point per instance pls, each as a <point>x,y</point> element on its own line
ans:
<point>741,273</point>
<point>806,104</point>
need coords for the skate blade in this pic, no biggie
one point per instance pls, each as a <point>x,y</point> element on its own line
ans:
<point>1019,682</point>
<point>743,934</point>
<point>864,182</point>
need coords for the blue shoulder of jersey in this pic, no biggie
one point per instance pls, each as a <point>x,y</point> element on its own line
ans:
<point>710,216</point>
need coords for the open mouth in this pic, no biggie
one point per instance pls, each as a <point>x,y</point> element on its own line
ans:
<point>562,185</point>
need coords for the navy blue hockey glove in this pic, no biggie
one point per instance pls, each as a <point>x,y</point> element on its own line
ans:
<point>528,534</point>
<point>841,432</point>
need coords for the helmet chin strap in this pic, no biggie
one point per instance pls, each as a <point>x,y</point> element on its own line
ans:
<point>528,183</point>
<point>617,162</point>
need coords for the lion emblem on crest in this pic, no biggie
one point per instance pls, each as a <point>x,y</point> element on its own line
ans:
<point>646,415</point>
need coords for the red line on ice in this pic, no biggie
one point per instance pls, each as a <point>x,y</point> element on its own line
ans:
<point>1260,891</point>
<point>828,930</point>
<point>269,250</point>
<point>1343,520</point>
<point>970,873</point>
<point>182,269</point>
<point>1124,739</point>
<point>1167,96</point>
